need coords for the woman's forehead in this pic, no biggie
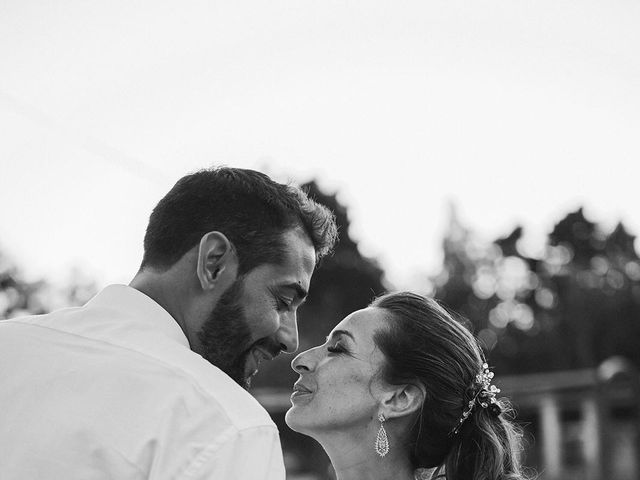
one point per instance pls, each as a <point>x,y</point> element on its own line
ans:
<point>362,324</point>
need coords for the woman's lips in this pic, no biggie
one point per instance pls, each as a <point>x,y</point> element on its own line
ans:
<point>300,390</point>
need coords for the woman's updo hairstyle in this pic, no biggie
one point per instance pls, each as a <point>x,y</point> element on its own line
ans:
<point>424,344</point>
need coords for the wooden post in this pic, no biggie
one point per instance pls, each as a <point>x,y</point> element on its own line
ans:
<point>551,436</point>
<point>592,431</point>
<point>618,370</point>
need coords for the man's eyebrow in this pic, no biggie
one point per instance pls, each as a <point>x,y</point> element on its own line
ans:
<point>300,291</point>
<point>335,333</point>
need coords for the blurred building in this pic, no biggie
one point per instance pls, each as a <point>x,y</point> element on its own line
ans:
<point>578,424</point>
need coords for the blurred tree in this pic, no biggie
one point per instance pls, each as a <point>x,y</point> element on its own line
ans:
<point>575,306</point>
<point>20,297</point>
<point>342,283</point>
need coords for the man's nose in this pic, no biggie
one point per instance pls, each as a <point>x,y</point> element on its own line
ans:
<point>288,332</point>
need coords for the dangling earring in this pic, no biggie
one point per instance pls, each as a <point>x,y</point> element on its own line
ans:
<point>382,441</point>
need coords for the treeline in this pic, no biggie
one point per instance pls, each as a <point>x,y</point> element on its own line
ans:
<point>575,305</point>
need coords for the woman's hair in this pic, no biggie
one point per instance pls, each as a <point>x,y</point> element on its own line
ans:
<point>425,344</point>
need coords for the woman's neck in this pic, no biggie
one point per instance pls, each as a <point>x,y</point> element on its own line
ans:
<point>358,460</point>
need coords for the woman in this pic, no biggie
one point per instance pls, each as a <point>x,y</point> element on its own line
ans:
<point>401,387</point>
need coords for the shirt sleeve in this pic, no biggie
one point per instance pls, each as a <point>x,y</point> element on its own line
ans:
<point>252,453</point>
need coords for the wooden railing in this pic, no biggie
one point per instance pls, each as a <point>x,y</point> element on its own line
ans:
<point>599,401</point>
<point>601,405</point>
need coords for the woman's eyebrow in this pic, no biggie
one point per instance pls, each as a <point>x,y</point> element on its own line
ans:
<point>335,333</point>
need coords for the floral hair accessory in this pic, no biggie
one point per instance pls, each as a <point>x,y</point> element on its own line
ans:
<point>485,397</point>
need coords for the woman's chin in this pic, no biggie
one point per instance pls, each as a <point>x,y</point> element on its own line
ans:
<point>296,420</point>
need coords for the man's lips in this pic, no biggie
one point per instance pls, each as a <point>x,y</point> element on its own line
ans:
<point>263,354</point>
<point>258,355</point>
<point>267,348</point>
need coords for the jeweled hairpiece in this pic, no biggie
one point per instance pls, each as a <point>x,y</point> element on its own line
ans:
<point>485,397</point>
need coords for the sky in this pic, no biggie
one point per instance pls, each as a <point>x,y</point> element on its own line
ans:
<point>515,111</point>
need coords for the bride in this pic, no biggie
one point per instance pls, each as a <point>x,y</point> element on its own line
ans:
<point>401,388</point>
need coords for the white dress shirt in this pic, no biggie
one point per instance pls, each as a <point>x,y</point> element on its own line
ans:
<point>112,390</point>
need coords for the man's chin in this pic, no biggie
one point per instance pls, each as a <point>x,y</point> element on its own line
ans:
<point>241,379</point>
<point>237,371</point>
<point>249,370</point>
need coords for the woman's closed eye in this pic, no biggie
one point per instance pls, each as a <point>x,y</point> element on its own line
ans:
<point>337,348</point>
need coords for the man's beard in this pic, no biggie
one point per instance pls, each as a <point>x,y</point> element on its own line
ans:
<point>225,336</point>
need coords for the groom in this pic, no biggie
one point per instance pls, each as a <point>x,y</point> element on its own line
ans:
<point>146,381</point>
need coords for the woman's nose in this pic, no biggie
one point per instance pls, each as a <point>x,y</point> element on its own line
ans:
<point>303,362</point>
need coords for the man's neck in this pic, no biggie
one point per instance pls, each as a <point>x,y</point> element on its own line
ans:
<point>165,295</point>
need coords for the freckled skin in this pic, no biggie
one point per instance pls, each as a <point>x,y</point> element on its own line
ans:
<point>344,385</point>
<point>338,397</point>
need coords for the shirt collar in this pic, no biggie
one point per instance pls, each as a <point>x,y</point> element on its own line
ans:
<point>134,303</point>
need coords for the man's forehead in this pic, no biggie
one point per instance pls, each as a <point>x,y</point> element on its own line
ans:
<point>298,250</point>
<point>290,275</point>
<point>292,268</point>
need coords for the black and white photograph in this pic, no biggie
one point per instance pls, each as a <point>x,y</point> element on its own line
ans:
<point>339,240</point>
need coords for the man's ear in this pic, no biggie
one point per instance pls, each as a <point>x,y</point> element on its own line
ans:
<point>404,400</point>
<point>217,261</point>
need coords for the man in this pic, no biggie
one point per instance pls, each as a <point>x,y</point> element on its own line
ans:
<point>145,381</point>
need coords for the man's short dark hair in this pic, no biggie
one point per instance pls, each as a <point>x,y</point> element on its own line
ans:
<point>247,206</point>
